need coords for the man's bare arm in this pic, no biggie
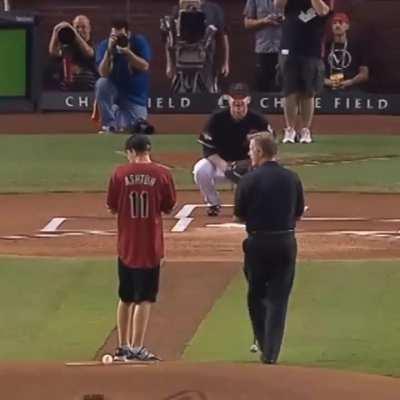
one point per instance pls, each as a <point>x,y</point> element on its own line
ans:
<point>86,49</point>
<point>226,55</point>
<point>106,64</point>
<point>134,60</point>
<point>169,60</point>
<point>280,4</point>
<point>255,24</point>
<point>361,77</point>
<point>320,7</point>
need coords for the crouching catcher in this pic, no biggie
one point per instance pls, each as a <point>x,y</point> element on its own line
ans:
<point>225,141</point>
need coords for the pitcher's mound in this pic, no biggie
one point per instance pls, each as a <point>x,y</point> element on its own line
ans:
<point>189,381</point>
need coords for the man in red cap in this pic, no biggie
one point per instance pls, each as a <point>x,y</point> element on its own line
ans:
<point>345,61</point>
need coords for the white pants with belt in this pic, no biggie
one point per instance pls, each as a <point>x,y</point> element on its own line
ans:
<point>207,176</point>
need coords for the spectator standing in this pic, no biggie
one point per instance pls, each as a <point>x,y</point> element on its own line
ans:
<point>123,88</point>
<point>71,46</point>
<point>345,61</point>
<point>269,200</point>
<point>301,65</point>
<point>139,192</point>
<point>262,17</point>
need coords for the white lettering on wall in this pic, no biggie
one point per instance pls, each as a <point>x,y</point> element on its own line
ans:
<point>83,101</point>
<point>264,102</point>
<point>69,101</point>
<point>171,105</point>
<point>278,102</point>
<point>185,102</point>
<point>79,101</point>
<point>383,104</point>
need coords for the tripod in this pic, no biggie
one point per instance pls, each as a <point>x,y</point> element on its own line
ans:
<point>194,80</point>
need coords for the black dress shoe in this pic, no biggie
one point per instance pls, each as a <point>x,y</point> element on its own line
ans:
<point>265,360</point>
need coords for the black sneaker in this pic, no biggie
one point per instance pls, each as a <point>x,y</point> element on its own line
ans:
<point>122,354</point>
<point>213,211</point>
<point>143,354</point>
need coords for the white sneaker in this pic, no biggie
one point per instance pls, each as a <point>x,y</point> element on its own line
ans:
<point>106,130</point>
<point>305,136</point>
<point>289,136</point>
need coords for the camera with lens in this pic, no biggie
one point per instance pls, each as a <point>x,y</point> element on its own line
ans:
<point>66,36</point>
<point>122,41</point>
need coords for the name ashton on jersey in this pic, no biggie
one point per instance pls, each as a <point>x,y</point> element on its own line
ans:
<point>140,179</point>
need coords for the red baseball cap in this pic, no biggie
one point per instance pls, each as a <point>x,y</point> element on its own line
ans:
<point>342,17</point>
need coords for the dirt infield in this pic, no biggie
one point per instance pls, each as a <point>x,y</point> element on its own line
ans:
<point>78,123</point>
<point>202,259</point>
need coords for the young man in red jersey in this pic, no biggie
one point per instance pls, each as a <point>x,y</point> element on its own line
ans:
<point>138,193</point>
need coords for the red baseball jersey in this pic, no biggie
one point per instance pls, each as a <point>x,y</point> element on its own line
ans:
<point>139,193</point>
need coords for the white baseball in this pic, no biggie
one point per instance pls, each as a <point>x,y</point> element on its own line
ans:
<point>107,359</point>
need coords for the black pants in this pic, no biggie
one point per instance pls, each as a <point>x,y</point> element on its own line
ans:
<point>269,268</point>
<point>266,70</point>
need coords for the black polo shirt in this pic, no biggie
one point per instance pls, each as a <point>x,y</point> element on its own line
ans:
<point>270,198</point>
<point>303,29</point>
<point>227,137</point>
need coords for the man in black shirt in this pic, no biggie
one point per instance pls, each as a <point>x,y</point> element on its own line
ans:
<point>269,200</point>
<point>345,61</point>
<point>225,140</point>
<point>301,67</point>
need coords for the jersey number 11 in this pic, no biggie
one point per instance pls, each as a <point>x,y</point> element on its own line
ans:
<point>139,204</point>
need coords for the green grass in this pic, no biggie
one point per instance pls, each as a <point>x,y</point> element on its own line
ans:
<point>55,309</point>
<point>342,315</point>
<point>41,163</point>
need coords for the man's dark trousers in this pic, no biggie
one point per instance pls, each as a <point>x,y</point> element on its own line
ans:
<point>269,268</point>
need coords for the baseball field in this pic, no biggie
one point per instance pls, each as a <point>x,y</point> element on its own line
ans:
<point>58,277</point>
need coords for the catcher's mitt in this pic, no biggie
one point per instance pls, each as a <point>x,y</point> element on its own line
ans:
<point>237,169</point>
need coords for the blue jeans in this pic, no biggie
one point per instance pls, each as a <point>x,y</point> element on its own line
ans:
<point>116,110</point>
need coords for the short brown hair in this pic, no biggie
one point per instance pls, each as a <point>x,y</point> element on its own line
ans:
<point>266,142</point>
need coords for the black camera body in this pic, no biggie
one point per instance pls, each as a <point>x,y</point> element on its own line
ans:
<point>66,36</point>
<point>122,41</point>
<point>191,25</point>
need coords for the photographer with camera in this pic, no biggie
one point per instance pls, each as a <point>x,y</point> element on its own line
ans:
<point>70,44</point>
<point>123,88</point>
<point>196,46</point>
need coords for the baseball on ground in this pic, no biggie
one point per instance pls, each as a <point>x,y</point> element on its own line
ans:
<point>107,359</point>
